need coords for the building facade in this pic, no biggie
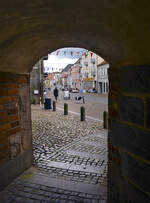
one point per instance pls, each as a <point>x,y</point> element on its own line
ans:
<point>76,76</point>
<point>36,82</point>
<point>103,84</point>
<point>89,63</point>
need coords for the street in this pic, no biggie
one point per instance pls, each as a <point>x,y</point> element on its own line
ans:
<point>95,104</point>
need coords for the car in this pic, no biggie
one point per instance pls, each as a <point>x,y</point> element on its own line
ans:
<point>92,90</point>
<point>75,90</point>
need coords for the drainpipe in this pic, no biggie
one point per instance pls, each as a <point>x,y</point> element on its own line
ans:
<point>97,73</point>
<point>41,81</point>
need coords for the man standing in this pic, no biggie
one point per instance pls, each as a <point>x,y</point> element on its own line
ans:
<point>56,93</point>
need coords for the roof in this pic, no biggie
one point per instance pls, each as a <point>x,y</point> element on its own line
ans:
<point>78,61</point>
<point>67,68</point>
<point>103,63</point>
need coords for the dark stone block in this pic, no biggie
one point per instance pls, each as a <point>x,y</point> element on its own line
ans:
<point>135,79</point>
<point>132,139</point>
<point>137,171</point>
<point>131,109</point>
<point>148,114</point>
<point>132,194</point>
<point>114,178</point>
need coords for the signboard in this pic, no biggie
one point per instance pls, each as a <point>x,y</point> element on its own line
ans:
<point>35,68</point>
<point>88,79</point>
<point>47,83</point>
<point>36,91</point>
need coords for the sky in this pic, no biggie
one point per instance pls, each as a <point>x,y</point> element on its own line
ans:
<point>62,57</point>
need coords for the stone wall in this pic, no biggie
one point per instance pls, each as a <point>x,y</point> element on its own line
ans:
<point>15,126</point>
<point>129,135</point>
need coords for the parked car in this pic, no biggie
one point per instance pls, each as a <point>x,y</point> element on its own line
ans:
<point>92,90</point>
<point>75,90</point>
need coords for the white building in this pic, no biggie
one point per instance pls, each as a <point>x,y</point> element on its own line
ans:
<point>103,84</point>
<point>89,62</point>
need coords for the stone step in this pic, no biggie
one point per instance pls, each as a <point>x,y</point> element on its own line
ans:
<point>86,154</point>
<point>43,179</point>
<point>75,167</point>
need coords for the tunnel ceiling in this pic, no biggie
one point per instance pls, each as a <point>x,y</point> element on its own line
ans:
<point>119,30</point>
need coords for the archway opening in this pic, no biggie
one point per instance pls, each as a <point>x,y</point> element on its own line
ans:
<point>64,147</point>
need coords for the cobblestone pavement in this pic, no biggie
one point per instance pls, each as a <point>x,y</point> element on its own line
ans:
<point>70,160</point>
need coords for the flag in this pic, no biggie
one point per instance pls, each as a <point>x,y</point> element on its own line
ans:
<point>91,54</point>
<point>57,53</point>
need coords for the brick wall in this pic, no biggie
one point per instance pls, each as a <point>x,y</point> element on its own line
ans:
<point>129,135</point>
<point>15,122</point>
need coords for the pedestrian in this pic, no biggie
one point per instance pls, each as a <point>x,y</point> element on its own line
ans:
<point>44,95</point>
<point>56,93</point>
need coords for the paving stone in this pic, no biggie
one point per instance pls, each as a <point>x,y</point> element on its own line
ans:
<point>6,201</point>
<point>37,197</point>
<point>28,201</point>
<point>44,201</point>
<point>72,197</point>
<point>82,195</point>
<point>95,201</point>
<point>47,199</point>
<point>64,196</point>
<point>86,201</point>
<point>27,189</point>
<point>56,200</point>
<point>37,201</point>
<point>89,196</point>
<point>55,195</point>
<point>74,193</point>
<point>62,201</point>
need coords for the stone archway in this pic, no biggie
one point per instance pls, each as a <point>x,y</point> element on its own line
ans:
<point>119,32</point>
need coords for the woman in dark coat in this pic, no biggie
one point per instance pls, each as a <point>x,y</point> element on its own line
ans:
<point>56,93</point>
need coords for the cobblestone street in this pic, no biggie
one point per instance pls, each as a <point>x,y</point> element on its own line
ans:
<point>70,161</point>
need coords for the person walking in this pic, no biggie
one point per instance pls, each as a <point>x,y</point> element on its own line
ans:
<point>56,93</point>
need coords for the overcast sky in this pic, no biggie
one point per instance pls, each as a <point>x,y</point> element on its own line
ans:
<point>62,57</point>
